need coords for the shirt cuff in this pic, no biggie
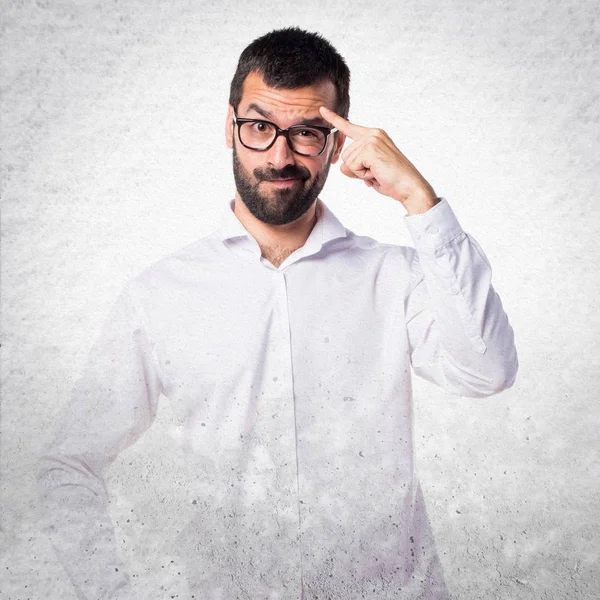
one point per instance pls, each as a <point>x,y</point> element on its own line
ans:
<point>434,228</point>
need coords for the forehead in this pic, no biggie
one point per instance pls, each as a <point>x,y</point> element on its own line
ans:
<point>287,103</point>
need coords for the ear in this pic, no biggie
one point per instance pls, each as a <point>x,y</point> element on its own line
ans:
<point>229,127</point>
<point>340,138</point>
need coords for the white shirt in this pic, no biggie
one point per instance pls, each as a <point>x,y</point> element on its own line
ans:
<point>292,387</point>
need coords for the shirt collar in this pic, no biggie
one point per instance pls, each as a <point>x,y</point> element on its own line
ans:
<point>327,228</point>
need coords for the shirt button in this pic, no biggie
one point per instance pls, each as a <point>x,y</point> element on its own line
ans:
<point>432,230</point>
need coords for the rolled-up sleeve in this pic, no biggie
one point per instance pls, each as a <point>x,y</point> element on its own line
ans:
<point>459,335</point>
<point>113,403</point>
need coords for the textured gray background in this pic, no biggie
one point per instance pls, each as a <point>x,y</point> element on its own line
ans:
<point>113,156</point>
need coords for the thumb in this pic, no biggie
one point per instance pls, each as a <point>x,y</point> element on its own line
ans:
<point>346,171</point>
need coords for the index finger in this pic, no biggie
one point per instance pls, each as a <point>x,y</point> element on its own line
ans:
<point>349,129</point>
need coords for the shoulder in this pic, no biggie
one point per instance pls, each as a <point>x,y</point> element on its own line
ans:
<point>180,268</point>
<point>393,253</point>
<point>388,265</point>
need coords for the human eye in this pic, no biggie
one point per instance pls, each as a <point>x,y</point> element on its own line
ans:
<point>261,127</point>
<point>308,133</point>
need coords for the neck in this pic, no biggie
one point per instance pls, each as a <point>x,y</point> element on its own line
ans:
<point>276,242</point>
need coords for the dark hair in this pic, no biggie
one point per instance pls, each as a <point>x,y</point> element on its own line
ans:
<point>292,58</point>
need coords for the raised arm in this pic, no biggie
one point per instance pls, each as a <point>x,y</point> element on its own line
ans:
<point>459,334</point>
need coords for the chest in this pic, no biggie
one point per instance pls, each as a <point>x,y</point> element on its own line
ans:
<point>270,330</point>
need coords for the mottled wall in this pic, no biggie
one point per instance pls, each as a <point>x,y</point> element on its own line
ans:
<point>113,156</point>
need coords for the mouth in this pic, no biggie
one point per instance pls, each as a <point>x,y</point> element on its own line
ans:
<point>283,183</point>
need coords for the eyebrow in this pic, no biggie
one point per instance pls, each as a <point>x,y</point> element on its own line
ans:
<point>318,121</point>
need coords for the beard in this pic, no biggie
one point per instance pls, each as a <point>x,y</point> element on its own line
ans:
<point>282,205</point>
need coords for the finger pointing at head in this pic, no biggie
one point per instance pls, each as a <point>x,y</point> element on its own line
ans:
<point>349,129</point>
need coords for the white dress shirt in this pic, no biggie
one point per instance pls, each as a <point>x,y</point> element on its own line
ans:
<point>292,388</point>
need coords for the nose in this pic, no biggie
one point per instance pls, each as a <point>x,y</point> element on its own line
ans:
<point>280,154</point>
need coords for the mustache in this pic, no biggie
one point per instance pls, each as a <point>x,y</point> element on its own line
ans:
<point>288,172</point>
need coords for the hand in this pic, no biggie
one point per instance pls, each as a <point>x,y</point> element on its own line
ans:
<point>374,158</point>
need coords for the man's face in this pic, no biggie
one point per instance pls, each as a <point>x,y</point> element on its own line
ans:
<point>277,185</point>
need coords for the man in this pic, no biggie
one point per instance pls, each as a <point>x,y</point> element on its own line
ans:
<point>285,343</point>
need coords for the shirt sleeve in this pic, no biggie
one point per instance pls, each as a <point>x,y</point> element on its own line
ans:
<point>459,334</point>
<point>113,403</point>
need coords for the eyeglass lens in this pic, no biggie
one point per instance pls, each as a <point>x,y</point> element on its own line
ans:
<point>305,140</point>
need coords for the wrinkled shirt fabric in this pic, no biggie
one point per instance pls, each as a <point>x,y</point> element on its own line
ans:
<point>292,390</point>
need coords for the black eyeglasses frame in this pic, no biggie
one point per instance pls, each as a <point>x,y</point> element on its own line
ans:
<point>285,132</point>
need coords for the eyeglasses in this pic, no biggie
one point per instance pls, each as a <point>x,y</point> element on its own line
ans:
<point>306,140</point>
